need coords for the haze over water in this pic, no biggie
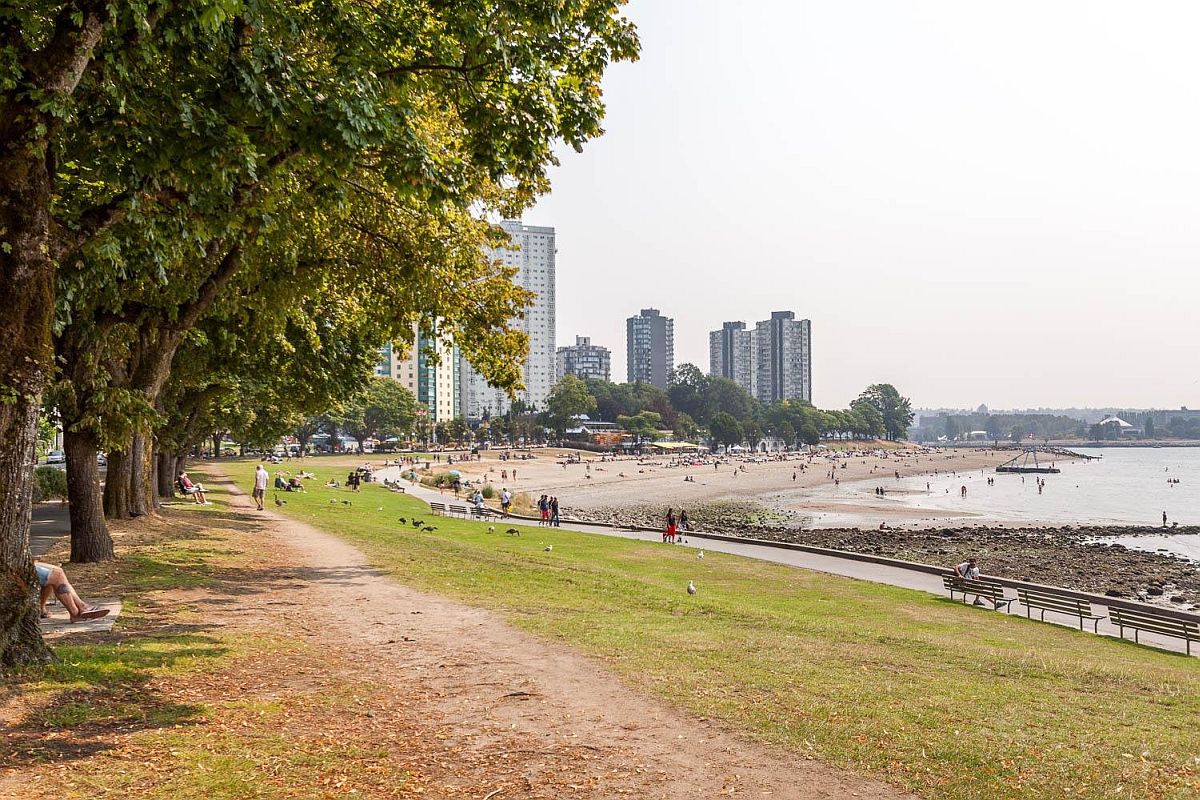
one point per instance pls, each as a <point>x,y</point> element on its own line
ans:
<point>1127,486</point>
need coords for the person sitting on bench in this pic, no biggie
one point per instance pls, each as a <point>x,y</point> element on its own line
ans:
<point>196,490</point>
<point>969,571</point>
<point>53,582</point>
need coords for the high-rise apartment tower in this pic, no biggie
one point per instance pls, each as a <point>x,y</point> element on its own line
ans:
<point>650,347</point>
<point>732,355</point>
<point>584,360</point>
<point>784,358</point>
<point>534,261</point>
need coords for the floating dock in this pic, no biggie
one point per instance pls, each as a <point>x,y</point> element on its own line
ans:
<point>1031,453</point>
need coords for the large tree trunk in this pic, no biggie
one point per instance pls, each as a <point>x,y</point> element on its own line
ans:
<point>90,540</point>
<point>141,484</point>
<point>166,473</point>
<point>27,300</point>
<point>117,483</point>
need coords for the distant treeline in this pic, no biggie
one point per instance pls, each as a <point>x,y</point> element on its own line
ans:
<point>1014,427</point>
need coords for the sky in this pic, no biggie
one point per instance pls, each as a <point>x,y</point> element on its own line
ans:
<point>977,202</point>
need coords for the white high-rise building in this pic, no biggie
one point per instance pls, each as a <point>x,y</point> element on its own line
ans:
<point>784,358</point>
<point>732,354</point>
<point>535,271</point>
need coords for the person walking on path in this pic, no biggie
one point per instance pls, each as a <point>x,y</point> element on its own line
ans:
<point>477,499</point>
<point>683,520</point>
<point>505,501</point>
<point>554,512</point>
<point>261,476</point>
<point>669,533</point>
<point>544,509</point>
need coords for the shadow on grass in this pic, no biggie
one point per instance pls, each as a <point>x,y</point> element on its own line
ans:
<point>102,692</point>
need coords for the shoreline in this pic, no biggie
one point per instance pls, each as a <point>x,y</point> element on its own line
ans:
<point>1082,557</point>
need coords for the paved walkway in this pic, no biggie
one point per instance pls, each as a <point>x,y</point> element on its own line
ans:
<point>847,567</point>
<point>50,523</point>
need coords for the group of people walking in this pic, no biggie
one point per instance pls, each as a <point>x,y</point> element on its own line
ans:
<point>676,525</point>
<point>548,510</point>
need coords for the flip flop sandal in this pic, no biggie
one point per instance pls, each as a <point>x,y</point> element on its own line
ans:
<point>91,613</point>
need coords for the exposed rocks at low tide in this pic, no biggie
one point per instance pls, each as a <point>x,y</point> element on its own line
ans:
<point>1079,557</point>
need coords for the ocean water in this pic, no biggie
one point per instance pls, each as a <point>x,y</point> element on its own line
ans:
<point>1124,487</point>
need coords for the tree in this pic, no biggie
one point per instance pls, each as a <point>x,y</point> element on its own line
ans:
<point>951,426</point>
<point>866,421</point>
<point>724,429</point>
<point>643,425</point>
<point>386,408</point>
<point>1148,427</point>
<point>896,411</point>
<point>278,102</point>
<point>685,428</point>
<point>567,399</point>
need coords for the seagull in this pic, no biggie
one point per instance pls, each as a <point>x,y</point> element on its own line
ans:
<point>279,502</point>
<point>691,588</point>
<point>549,547</point>
<point>333,501</point>
<point>700,554</point>
<point>491,528</point>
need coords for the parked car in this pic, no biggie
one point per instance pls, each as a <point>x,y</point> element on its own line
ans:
<point>56,457</point>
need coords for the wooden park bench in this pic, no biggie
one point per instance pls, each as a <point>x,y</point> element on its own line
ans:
<point>989,590</point>
<point>1188,630</point>
<point>1049,600</point>
<point>457,511</point>
<point>438,508</point>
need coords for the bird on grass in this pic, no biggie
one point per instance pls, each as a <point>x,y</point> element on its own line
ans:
<point>279,502</point>
<point>429,528</point>
<point>691,588</point>
<point>347,503</point>
<point>491,528</point>
<point>379,509</point>
<point>416,523</point>
<point>513,532</point>
<point>700,554</point>
<point>549,547</point>
<point>333,501</point>
<point>403,520</point>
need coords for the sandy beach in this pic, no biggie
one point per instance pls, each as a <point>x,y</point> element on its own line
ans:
<point>796,484</point>
<point>828,499</point>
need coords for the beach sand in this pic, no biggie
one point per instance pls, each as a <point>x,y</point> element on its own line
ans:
<point>593,484</point>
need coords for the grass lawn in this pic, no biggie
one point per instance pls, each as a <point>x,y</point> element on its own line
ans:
<point>943,699</point>
<point>175,703</point>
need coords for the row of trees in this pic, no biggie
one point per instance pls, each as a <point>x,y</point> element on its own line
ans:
<point>213,213</point>
<point>695,403</point>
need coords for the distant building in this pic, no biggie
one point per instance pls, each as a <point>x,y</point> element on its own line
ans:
<point>732,354</point>
<point>535,263</point>
<point>584,360</point>
<point>429,370</point>
<point>650,347</point>
<point>783,346</point>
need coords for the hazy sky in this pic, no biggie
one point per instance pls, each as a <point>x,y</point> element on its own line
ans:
<point>978,202</point>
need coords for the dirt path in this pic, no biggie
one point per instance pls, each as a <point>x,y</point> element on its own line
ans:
<point>483,683</point>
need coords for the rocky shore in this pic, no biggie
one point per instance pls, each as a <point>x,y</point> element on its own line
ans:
<point>1076,557</point>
